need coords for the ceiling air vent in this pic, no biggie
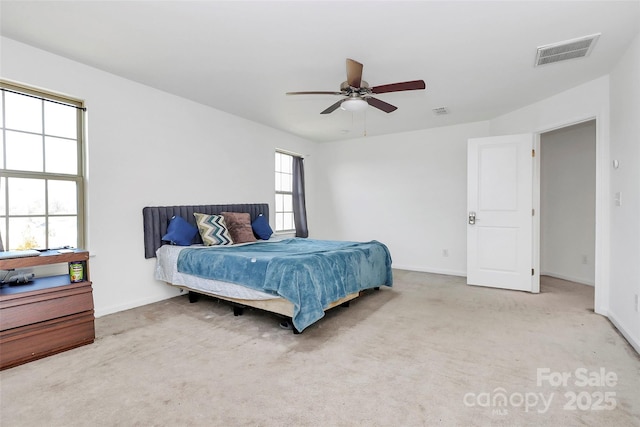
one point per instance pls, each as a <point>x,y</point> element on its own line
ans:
<point>569,49</point>
<point>440,111</point>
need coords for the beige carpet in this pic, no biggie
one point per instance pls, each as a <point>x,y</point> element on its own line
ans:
<point>431,351</point>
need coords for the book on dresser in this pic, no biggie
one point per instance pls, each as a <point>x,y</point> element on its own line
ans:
<point>45,314</point>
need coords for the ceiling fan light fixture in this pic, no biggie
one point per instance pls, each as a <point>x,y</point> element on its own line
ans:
<point>354,105</point>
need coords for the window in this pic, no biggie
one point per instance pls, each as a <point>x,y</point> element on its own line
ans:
<point>41,169</point>
<point>284,192</point>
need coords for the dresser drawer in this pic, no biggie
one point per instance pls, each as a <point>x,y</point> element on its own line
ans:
<point>54,303</point>
<point>21,345</point>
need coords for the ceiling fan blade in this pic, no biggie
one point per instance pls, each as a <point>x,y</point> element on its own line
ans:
<point>315,93</point>
<point>333,108</point>
<point>354,73</point>
<point>381,105</point>
<point>398,87</point>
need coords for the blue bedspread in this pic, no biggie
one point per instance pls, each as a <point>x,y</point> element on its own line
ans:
<point>309,273</point>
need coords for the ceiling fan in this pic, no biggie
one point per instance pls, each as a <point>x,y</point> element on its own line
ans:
<point>358,93</point>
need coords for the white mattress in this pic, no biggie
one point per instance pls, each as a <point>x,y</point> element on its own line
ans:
<point>167,271</point>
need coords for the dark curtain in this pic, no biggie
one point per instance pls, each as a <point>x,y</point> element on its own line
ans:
<point>299,205</point>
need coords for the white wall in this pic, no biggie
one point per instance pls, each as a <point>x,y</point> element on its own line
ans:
<point>145,148</point>
<point>406,190</point>
<point>625,225</point>
<point>567,203</point>
<point>586,101</point>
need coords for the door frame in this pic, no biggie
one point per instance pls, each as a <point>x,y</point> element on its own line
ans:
<point>602,208</point>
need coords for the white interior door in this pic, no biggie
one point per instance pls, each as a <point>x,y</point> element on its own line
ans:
<point>500,243</point>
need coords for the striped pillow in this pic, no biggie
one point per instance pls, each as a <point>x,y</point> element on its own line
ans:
<point>213,229</point>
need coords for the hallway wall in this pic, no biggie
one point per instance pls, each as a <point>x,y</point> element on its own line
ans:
<point>567,202</point>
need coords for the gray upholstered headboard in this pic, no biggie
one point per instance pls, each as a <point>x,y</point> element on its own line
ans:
<point>156,219</point>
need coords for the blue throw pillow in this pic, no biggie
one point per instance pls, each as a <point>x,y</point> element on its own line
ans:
<point>180,232</point>
<point>261,227</point>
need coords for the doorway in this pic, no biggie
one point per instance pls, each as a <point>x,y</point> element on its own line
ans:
<point>568,203</point>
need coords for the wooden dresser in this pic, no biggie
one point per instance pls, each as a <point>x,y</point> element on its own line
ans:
<point>49,314</point>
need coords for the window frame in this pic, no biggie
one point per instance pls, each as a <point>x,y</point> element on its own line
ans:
<point>283,193</point>
<point>78,177</point>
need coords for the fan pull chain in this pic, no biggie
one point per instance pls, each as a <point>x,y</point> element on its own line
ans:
<point>365,124</point>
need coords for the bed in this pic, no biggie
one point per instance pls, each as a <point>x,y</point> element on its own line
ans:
<point>298,279</point>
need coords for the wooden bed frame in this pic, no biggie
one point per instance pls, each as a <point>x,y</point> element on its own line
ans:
<point>156,220</point>
<point>277,305</point>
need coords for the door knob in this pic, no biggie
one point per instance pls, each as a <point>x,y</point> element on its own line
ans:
<point>472,218</point>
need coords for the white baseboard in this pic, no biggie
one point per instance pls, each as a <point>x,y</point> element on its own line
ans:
<point>132,304</point>
<point>430,270</point>
<point>635,343</point>
<point>569,278</point>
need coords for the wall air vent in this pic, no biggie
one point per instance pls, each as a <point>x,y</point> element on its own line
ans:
<point>440,111</point>
<point>569,49</point>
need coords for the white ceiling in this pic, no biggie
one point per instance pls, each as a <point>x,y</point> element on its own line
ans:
<point>241,57</point>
